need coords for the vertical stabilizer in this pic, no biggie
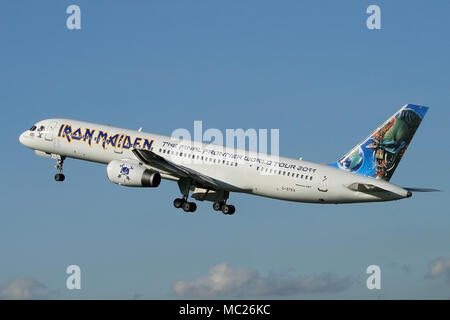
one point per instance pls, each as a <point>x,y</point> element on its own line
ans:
<point>380,153</point>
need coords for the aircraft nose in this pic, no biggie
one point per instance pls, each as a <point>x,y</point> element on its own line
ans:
<point>22,138</point>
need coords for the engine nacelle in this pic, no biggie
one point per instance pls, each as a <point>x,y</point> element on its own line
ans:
<point>131,174</point>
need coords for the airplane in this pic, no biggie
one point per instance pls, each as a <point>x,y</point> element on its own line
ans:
<point>211,172</point>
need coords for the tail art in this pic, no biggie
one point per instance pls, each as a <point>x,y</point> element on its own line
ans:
<point>379,154</point>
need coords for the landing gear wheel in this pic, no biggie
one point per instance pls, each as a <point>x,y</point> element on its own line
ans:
<point>59,177</point>
<point>218,206</point>
<point>228,209</point>
<point>193,207</point>
<point>189,206</point>
<point>178,203</point>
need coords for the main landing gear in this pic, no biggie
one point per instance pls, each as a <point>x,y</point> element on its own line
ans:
<point>187,206</point>
<point>59,166</point>
<point>225,208</point>
<point>218,205</point>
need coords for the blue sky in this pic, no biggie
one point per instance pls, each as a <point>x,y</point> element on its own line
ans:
<point>309,68</point>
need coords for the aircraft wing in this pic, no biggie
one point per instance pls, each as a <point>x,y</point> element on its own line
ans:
<point>158,162</point>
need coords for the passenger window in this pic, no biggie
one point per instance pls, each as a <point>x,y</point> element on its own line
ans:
<point>310,178</point>
<point>288,174</point>
<point>306,177</point>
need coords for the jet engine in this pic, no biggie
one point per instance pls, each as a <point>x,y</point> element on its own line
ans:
<point>132,174</point>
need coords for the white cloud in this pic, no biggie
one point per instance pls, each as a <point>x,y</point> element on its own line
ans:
<point>439,266</point>
<point>23,288</point>
<point>223,280</point>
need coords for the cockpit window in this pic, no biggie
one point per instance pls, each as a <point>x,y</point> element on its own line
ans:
<point>33,128</point>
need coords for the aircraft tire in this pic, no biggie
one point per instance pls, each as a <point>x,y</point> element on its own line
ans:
<point>217,206</point>
<point>178,203</point>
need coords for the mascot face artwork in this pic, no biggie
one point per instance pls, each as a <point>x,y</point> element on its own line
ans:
<point>390,142</point>
<point>379,155</point>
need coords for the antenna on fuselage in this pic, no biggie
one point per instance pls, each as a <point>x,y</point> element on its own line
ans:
<point>140,129</point>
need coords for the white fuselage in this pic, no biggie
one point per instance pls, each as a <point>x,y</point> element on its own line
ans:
<point>240,170</point>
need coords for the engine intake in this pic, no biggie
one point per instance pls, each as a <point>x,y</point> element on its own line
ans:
<point>132,174</point>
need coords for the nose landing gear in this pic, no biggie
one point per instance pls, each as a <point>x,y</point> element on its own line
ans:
<point>59,166</point>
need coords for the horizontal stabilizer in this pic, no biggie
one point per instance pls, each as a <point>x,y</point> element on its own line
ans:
<point>365,187</point>
<point>422,189</point>
<point>380,191</point>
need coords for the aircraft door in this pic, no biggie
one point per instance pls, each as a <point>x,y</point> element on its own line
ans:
<point>49,131</point>
<point>323,184</point>
<point>118,147</point>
